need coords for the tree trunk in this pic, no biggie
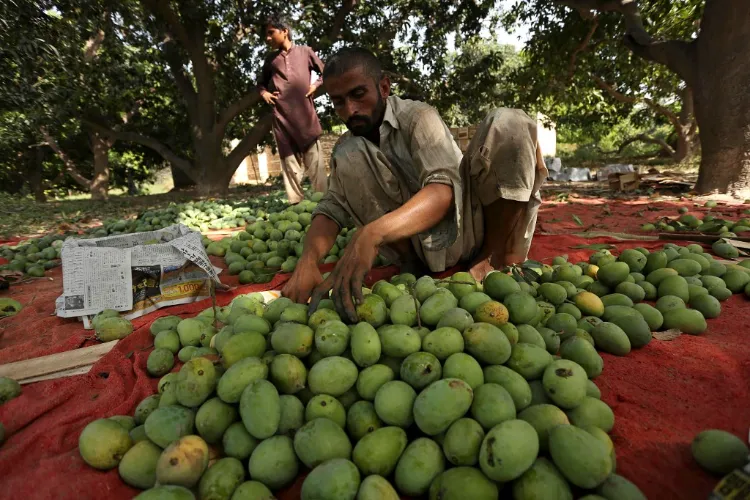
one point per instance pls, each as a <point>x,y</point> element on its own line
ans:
<point>215,174</point>
<point>722,98</point>
<point>100,146</point>
<point>36,175</point>
<point>213,167</point>
<point>180,179</point>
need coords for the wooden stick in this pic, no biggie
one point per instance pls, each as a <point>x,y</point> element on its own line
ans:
<point>61,374</point>
<point>58,365</point>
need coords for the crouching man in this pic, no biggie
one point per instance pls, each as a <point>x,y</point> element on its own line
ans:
<point>399,176</point>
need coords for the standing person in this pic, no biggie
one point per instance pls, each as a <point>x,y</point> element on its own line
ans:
<point>399,176</point>
<point>285,85</point>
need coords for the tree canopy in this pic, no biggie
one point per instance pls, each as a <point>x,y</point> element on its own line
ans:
<point>606,59</point>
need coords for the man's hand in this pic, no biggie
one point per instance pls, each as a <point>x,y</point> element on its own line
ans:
<point>270,98</point>
<point>312,90</point>
<point>348,276</point>
<point>303,281</point>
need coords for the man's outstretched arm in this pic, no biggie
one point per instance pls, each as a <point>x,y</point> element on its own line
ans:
<point>318,242</point>
<point>423,211</point>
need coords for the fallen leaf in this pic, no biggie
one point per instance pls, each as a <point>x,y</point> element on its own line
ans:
<point>577,220</point>
<point>667,335</point>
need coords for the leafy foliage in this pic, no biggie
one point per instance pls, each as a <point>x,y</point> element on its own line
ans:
<point>566,53</point>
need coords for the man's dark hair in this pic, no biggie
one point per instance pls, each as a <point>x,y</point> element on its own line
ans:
<point>350,58</point>
<point>279,22</point>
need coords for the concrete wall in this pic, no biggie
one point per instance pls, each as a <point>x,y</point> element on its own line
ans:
<point>259,167</point>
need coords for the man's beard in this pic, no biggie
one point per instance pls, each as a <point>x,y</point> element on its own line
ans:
<point>363,125</point>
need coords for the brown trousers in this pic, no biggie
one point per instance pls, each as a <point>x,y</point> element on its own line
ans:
<point>295,167</point>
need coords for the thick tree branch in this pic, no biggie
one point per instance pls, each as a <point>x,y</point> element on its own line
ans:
<point>672,117</point>
<point>650,140</point>
<point>70,166</point>
<point>336,26</point>
<point>163,150</point>
<point>234,109</point>
<point>184,85</point>
<point>581,47</point>
<point>91,48</point>
<point>194,43</point>
<point>249,142</point>
<point>674,54</point>
<point>340,19</point>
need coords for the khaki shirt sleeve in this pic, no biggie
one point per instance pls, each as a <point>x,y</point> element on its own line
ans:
<point>334,202</point>
<point>437,160</point>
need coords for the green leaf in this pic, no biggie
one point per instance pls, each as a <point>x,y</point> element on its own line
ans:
<point>577,220</point>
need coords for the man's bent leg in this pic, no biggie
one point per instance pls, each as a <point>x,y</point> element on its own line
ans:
<point>315,167</point>
<point>293,173</point>
<point>506,172</point>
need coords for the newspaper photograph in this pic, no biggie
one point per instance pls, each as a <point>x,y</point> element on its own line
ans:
<point>134,273</point>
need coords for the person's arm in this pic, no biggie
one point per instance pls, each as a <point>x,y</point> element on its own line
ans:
<point>425,209</point>
<point>264,81</point>
<point>315,64</point>
<point>319,239</point>
<point>318,242</point>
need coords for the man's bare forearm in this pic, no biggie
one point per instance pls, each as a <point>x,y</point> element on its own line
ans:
<point>423,211</point>
<point>319,239</point>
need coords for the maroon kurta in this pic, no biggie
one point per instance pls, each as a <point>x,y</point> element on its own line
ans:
<point>295,125</point>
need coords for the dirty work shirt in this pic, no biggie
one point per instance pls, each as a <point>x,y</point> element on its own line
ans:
<point>416,149</point>
<point>295,125</point>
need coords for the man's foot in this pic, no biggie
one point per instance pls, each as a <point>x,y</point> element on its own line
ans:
<point>480,268</point>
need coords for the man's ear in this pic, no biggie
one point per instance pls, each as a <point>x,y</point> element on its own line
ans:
<point>385,86</point>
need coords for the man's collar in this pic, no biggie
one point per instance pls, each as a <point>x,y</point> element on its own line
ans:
<point>390,117</point>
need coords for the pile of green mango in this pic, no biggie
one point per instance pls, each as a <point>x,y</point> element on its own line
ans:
<point>34,256</point>
<point>273,242</point>
<point>197,215</point>
<point>687,223</point>
<point>444,389</point>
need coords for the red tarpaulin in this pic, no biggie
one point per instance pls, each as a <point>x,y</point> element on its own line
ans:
<point>662,395</point>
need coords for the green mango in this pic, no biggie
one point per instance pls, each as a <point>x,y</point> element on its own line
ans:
<point>378,452</point>
<point>508,450</point>
<point>420,463</point>
<point>319,440</point>
<point>260,409</point>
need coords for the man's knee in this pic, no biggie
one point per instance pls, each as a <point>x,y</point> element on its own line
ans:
<point>509,124</point>
<point>503,156</point>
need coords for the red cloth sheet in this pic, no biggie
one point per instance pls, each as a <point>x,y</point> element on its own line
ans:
<point>662,395</point>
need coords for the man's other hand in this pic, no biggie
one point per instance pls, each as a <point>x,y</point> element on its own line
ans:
<point>302,283</point>
<point>270,98</point>
<point>347,278</point>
